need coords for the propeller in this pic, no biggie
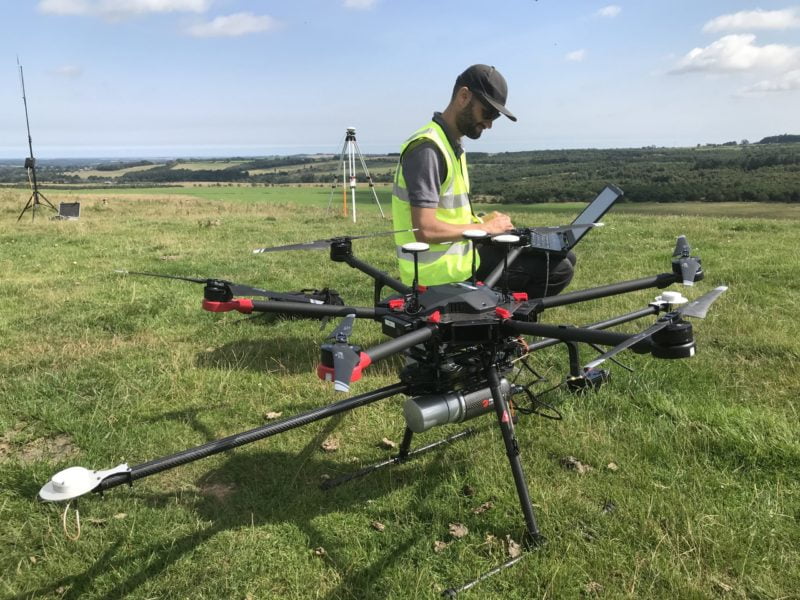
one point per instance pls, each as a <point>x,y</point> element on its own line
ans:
<point>323,244</point>
<point>696,308</point>
<point>689,265</point>
<point>235,288</point>
<point>345,357</point>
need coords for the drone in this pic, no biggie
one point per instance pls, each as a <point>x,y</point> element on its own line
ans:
<point>462,343</point>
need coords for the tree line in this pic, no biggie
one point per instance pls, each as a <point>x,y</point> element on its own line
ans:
<point>753,173</point>
<point>767,171</point>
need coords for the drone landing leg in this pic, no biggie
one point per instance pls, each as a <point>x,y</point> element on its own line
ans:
<point>512,450</point>
<point>532,536</point>
<point>405,453</point>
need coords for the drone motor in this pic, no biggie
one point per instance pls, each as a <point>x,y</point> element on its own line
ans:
<point>676,340</point>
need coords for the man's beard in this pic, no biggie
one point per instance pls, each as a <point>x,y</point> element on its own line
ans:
<point>466,123</point>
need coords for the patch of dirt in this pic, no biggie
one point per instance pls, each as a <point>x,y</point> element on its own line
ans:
<point>573,464</point>
<point>331,444</point>
<point>45,448</point>
<point>218,491</point>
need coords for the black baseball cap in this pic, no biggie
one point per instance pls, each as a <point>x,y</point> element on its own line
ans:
<point>488,84</point>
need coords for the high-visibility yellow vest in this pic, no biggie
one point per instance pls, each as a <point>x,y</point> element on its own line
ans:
<point>443,263</point>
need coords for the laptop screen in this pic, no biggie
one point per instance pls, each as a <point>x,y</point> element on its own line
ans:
<point>596,209</point>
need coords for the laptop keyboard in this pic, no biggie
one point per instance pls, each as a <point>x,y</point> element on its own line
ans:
<point>541,240</point>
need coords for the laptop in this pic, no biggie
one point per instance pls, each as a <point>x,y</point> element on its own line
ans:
<point>563,239</point>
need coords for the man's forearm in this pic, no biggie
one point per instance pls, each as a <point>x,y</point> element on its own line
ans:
<point>432,230</point>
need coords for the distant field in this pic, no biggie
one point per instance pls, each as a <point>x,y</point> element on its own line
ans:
<point>207,165</point>
<point>319,193</point>
<point>765,210</point>
<point>319,167</point>
<point>311,194</point>
<point>85,174</point>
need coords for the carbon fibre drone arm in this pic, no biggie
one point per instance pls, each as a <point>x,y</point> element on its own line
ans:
<point>233,441</point>
<point>381,278</point>
<point>495,275</point>
<point>659,281</point>
<point>247,306</point>
<point>604,324</point>
<point>565,333</point>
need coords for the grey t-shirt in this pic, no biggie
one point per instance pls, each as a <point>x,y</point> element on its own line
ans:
<point>424,168</point>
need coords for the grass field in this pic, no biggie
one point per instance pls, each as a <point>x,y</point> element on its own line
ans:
<point>693,489</point>
<point>321,167</point>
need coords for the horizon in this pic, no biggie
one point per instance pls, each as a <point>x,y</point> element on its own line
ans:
<point>6,160</point>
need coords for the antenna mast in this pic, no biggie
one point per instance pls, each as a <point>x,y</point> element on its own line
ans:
<point>30,163</point>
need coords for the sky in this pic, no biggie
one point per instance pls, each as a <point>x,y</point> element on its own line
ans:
<point>198,78</point>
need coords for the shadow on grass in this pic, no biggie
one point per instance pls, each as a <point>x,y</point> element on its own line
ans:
<point>247,491</point>
<point>280,353</point>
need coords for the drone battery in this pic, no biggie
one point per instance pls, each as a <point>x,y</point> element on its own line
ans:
<point>395,326</point>
<point>528,311</point>
<point>423,412</point>
<point>469,331</point>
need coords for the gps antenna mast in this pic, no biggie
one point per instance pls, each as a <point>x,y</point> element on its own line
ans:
<point>349,151</point>
<point>30,163</point>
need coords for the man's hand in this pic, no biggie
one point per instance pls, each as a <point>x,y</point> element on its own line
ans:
<point>497,222</point>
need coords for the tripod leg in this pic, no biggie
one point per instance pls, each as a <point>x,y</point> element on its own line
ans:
<point>41,195</point>
<point>27,206</point>
<point>351,163</point>
<point>369,178</point>
<point>335,177</point>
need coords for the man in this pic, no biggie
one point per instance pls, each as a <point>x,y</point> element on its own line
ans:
<point>431,195</point>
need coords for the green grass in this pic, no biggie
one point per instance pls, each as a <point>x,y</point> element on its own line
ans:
<point>98,368</point>
<point>284,196</point>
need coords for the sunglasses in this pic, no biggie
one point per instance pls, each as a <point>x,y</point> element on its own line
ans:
<point>490,113</point>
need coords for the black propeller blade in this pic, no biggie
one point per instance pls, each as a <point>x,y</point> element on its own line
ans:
<point>689,265</point>
<point>697,308</point>
<point>345,358</point>
<point>235,288</point>
<point>343,330</point>
<point>635,339</point>
<point>682,247</point>
<point>323,244</point>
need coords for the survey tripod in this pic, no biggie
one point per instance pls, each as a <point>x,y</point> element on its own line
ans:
<point>349,152</point>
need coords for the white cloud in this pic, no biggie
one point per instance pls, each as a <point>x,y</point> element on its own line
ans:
<point>154,6</point>
<point>68,71</point>
<point>612,10</point>
<point>359,4</point>
<point>575,55</point>
<point>785,83</point>
<point>234,25</point>
<point>64,7</point>
<point>120,9</point>
<point>737,53</point>
<point>748,20</point>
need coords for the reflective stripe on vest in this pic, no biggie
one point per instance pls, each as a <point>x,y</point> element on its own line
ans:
<point>444,263</point>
